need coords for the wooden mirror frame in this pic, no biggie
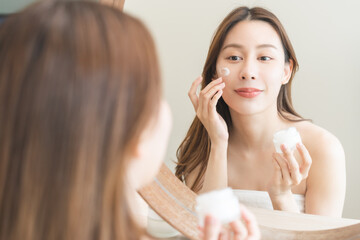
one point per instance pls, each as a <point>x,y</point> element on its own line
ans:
<point>175,203</point>
<point>119,4</point>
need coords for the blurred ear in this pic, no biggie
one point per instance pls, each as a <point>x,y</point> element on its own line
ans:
<point>119,4</point>
<point>137,151</point>
<point>136,156</point>
<point>288,67</point>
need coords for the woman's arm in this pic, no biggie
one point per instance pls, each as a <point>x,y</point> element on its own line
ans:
<point>216,172</point>
<point>205,107</point>
<point>288,173</point>
<point>322,167</point>
<point>326,183</point>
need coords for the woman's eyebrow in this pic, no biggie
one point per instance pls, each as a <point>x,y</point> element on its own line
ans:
<point>239,46</point>
<point>266,46</point>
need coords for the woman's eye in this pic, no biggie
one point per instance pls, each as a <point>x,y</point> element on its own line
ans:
<point>265,58</point>
<point>234,58</point>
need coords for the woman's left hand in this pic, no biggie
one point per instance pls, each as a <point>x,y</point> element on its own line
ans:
<point>288,173</point>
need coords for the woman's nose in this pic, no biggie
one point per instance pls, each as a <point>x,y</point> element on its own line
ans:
<point>248,71</point>
<point>245,76</point>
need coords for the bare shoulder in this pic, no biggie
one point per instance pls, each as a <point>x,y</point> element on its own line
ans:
<point>321,144</point>
<point>327,175</point>
<point>326,181</point>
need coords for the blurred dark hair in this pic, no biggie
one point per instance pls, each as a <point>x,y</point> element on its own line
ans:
<point>79,82</point>
<point>2,18</point>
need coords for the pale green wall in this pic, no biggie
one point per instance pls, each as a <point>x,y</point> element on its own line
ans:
<point>10,6</point>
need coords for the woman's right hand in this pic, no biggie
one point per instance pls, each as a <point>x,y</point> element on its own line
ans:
<point>237,230</point>
<point>205,108</point>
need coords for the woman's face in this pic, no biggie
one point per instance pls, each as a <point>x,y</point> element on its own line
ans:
<point>253,53</point>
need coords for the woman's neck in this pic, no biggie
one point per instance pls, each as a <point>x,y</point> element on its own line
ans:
<point>254,131</point>
<point>137,206</point>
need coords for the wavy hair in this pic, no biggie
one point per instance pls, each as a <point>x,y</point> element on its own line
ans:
<point>194,151</point>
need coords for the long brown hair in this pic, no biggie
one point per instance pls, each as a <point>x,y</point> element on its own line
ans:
<point>79,82</point>
<point>195,148</point>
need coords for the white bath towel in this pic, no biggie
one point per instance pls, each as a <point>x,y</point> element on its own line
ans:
<point>261,199</point>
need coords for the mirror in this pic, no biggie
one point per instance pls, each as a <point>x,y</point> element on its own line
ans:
<point>175,203</point>
<point>325,36</point>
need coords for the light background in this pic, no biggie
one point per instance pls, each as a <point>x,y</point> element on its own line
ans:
<point>326,38</point>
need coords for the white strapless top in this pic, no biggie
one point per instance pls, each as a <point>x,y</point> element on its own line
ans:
<point>261,199</point>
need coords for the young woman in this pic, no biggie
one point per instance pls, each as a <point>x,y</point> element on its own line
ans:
<point>82,124</point>
<point>230,140</point>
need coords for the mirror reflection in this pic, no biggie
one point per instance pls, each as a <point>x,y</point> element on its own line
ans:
<point>282,141</point>
<point>316,36</point>
<point>230,142</point>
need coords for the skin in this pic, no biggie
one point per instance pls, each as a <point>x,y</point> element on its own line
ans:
<point>147,158</point>
<point>150,151</point>
<point>236,230</point>
<point>156,137</point>
<point>245,158</point>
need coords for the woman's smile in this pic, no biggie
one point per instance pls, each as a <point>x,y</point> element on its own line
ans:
<point>248,92</point>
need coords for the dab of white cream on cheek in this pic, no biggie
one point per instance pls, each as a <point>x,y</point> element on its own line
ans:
<point>225,71</point>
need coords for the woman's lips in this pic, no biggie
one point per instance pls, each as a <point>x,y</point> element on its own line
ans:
<point>248,92</point>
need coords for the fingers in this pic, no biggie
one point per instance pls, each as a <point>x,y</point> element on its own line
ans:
<point>248,231</point>
<point>307,161</point>
<point>236,230</point>
<point>212,228</point>
<point>212,84</point>
<point>252,227</point>
<point>212,91</point>
<point>206,94</point>
<point>224,234</point>
<point>192,92</point>
<point>239,230</point>
<point>213,103</point>
<point>291,172</point>
<point>283,167</point>
<point>293,165</point>
<point>207,102</point>
<point>201,232</point>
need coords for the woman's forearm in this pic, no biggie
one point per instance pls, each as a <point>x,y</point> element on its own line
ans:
<point>216,171</point>
<point>284,202</point>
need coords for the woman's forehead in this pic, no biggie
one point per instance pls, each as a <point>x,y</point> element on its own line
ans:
<point>253,33</point>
